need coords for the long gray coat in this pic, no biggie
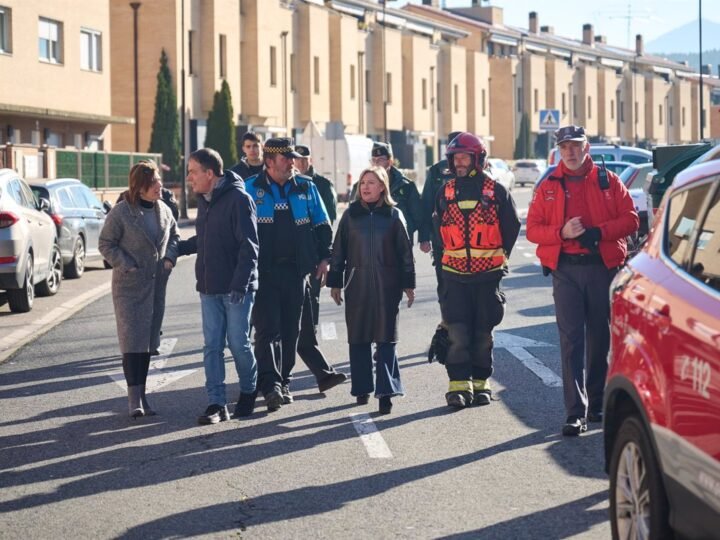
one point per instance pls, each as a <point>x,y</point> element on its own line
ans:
<point>139,278</point>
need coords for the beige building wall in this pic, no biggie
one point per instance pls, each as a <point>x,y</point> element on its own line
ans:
<point>534,88</point>
<point>380,90</point>
<point>420,60</point>
<point>696,110</point>
<point>503,107</point>
<point>36,95</point>
<point>270,78</point>
<point>586,98</point>
<point>657,92</point>
<point>632,107</point>
<point>608,87</point>
<point>452,89</point>
<point>478,74</point>
<point>312,42</point>
<point>347,99</point>
<point>680,123</point>
<point>559,77</point>
<point>158,25</point>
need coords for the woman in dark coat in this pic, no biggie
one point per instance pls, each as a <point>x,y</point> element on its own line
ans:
<point>140,241</point>
<point>372,261</point>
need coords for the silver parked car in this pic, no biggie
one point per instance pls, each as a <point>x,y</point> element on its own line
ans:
<point>527,171</point>
<point>501,172</point>
<point>30,258</point>
<point>79,217</point>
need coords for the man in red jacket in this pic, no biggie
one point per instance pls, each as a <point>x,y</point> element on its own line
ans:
<point>579,217</point>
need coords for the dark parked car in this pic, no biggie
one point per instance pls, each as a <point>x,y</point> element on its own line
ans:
<point>79,217</point>
<point>662,401</point>
<point>30,260</point>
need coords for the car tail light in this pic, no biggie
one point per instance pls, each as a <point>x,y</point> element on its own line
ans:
<point>58,219</point>
<point>8,219</point>
<point>8,260</point>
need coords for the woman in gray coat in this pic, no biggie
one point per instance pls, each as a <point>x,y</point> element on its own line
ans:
<point>372,261</point>
<point>140,241</point>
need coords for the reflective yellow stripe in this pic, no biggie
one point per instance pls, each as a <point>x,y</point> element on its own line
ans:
<point>467,205</point>
<point>480,384</point>
<point>484,253</point>
<point>460,386</point>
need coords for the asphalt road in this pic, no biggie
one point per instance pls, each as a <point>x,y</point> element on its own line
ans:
<point>72,464</point>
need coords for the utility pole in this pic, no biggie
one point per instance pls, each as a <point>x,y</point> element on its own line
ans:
<point>135,6</point>
<point>183,186</point>
<point>702,105</point>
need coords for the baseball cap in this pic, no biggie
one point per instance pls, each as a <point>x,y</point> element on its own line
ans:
<point>381,149</point>
<point>303,150</point>
<point>280,145</point>
<point>570,133</point>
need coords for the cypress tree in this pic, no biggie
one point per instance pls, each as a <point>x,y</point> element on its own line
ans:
<point>220,133</point>
<point>523,142</point>
<point>165,138</point>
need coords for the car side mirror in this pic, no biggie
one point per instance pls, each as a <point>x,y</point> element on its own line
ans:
<point>44,205</point>
<point>107,206</point>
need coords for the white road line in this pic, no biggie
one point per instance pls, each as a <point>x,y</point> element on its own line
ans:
<point>545,374</point>
<point>370,436</point>
<point>528,255</point>
<point>157,376</point>
<point>328,331</point>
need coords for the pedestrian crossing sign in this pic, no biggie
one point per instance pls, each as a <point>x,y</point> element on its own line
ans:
<point>549,119</point>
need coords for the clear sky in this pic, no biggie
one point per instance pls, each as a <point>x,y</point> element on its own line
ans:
<point>651,18</point>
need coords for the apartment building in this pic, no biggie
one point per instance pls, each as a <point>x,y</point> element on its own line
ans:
<point>59,56</point>
<point>203,34</point>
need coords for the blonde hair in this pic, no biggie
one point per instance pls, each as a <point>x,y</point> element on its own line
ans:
<point>382,175</point>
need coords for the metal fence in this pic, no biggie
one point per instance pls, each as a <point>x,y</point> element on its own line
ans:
<point>99,170</point>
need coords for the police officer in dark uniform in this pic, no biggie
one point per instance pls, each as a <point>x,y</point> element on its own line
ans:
<point>579,218</point>
<point>437,175</point>
<point>478,225</point>
<point>295,237</point>
<point>308,346</point>
<point>404,191</point>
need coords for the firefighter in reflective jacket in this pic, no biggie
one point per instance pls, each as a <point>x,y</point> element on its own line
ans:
<point>478,225</point>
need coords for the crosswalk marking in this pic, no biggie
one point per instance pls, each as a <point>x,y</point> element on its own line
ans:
<point>370,436</point>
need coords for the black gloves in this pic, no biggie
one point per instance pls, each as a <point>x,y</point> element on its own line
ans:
<point>590,238</point>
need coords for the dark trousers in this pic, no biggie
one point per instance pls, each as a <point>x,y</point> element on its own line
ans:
<point>582,308</point>
<point>308,347</point>
<point>276,318</point>
<point>437,263</point>
<point>135,368</point>
<point>387,370</point>
<point>470,311</point>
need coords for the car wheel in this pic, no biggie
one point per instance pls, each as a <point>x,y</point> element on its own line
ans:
<point>21,300</point>
<point>51,284</point>
<point>638,504</point>
<point>76,267</point>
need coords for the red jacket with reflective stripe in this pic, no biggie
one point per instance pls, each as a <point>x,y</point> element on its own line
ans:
<point>612,211</point>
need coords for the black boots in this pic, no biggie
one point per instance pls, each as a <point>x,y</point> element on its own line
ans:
<point>135,408</point>
<point>245,405</point>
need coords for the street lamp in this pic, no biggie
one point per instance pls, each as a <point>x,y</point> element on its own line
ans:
<point>135,6</point>
<point>384,71</point>
<point>183,185</point>
<point>702,106</point>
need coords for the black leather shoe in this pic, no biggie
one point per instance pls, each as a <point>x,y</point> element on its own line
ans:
<point>214,414</point>
<point>459,400</point>
<point>483,397</point>
<point>245,405</point>
<point>331,381</point>
<point>595,417</point>
<point>273,400</point>
<point>574,426</point>
<point>385,406</point>
<point>286,395</point>
<point>363,399</point>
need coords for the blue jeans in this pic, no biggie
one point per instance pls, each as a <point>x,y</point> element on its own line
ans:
<point>387,370</point>
<point>223,321</point>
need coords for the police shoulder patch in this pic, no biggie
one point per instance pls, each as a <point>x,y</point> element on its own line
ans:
<point>260,193</point>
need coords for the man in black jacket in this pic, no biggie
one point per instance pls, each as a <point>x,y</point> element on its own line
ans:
<point>226,242</point>
<point>252,161</point>
<point>308,347</point>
